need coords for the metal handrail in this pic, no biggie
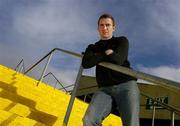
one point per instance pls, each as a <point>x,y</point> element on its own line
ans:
<point>166,106</point>
<point>73,95</point>
<point>50,73</point>
<point>22,67</point>
<point>68,86</point>
<point>144,76</point>
<point>53,50</point>
<point>49,59</point>
<point>140,75</point>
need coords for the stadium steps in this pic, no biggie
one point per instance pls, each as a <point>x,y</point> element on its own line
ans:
<point>22,103</point>
<point>12,119</point>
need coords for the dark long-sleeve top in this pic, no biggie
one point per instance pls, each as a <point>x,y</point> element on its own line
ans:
<point>95,53</point>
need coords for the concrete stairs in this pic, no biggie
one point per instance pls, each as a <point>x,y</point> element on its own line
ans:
<point>23,103</point>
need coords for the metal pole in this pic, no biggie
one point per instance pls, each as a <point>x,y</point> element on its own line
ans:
<point>47,79</point>
<point>21,70</point>
<point>172,118</point>
<point>73,95</point>
<point>45,68</point>
<point>55,84</point>
<point>153,114</point>
<point>85,98</point>
<point>18,65</point>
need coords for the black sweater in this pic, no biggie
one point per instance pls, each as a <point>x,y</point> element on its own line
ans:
<point>95,53</point>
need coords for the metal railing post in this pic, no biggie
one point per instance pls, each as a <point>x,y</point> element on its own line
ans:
<point>55,84</point>
<point>48,80</point>
<point>57,81</point>
<point>45,68</point>
<point>73,95</point>
<point>20,67</point>
<point>153,114</point>
<point>172,118</point>
<point>17,67</point>
<point>85,98</point>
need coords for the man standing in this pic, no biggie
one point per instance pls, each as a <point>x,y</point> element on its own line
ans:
<point>115,89</point>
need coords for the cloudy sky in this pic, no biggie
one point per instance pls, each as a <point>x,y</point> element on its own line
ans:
<point>29,29</point>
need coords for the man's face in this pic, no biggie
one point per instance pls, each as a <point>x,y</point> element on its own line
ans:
<point>106,28</point>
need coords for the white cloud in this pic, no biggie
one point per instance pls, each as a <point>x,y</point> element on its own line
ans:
<point>167,72</point>
<point>165,15</point>
<point>38,28</point>
<point>66,24</point>
<point>52,23</point>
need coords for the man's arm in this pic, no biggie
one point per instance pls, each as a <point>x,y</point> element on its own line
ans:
<point>91,57</point>
<point>119,53</point>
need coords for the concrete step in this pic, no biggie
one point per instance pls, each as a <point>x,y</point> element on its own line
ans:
<point>20,97</point>
<point>11,119</point>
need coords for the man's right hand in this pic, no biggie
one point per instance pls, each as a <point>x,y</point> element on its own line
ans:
<point>109,51</point>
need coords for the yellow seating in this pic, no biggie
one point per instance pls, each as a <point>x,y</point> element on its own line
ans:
<point>22,103</point>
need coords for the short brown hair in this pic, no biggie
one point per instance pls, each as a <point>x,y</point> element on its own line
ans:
<point>107,16</point>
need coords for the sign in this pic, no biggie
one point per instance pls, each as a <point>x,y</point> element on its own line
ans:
<point>150,102</point>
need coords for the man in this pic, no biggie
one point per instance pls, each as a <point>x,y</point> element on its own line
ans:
<point>115,89</point>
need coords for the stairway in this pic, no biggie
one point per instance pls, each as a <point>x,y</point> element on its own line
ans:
<point>22,103</point>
